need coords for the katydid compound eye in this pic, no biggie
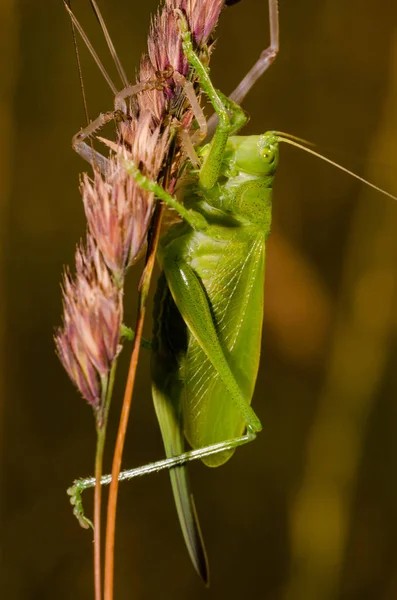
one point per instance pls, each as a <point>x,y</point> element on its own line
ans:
<point>267,154</point>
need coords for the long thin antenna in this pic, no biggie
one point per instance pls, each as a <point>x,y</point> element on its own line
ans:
<point>110,44</point>
<point>296,138</point>
<point>281,138</point>
<point>80,72</point>
<point>90,48</point>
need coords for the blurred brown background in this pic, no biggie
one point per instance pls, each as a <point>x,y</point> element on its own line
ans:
<point>309,511</point>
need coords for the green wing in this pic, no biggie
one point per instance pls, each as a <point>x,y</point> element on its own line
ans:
<point>169,342</point>
<point>232,272</point>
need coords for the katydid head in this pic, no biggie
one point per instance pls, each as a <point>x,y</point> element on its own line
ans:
<point>257,154</point>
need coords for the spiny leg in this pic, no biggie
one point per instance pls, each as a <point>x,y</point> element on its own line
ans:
<point>202,71</point>
<point>238,119</point>
<point>86,151</point>
<point>210,168</point>
<point>160,83</point>
<point>188,142</point>
<point>78,141</point>
<point>195,219</point>
<point>209,171</point>
<point>168,463</point>
<point>157,83</point>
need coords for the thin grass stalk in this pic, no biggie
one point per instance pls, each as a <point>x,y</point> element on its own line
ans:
<point>125,411</point>
<point>100,446</point>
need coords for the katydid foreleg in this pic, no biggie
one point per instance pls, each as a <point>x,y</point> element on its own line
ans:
<point>195,219</point>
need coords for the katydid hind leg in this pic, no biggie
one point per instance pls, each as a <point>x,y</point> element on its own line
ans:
<point>80,485</point>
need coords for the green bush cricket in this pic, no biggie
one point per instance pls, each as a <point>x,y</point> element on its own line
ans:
<point>209,301</point>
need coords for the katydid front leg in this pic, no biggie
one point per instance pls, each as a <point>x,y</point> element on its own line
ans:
<point>195,219</point>
<point>210,168</point>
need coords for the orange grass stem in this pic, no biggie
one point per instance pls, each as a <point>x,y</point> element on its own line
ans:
<point>125,411</point>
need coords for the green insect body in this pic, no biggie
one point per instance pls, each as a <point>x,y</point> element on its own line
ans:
<point>208,309</point>
<point>208,314</point>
